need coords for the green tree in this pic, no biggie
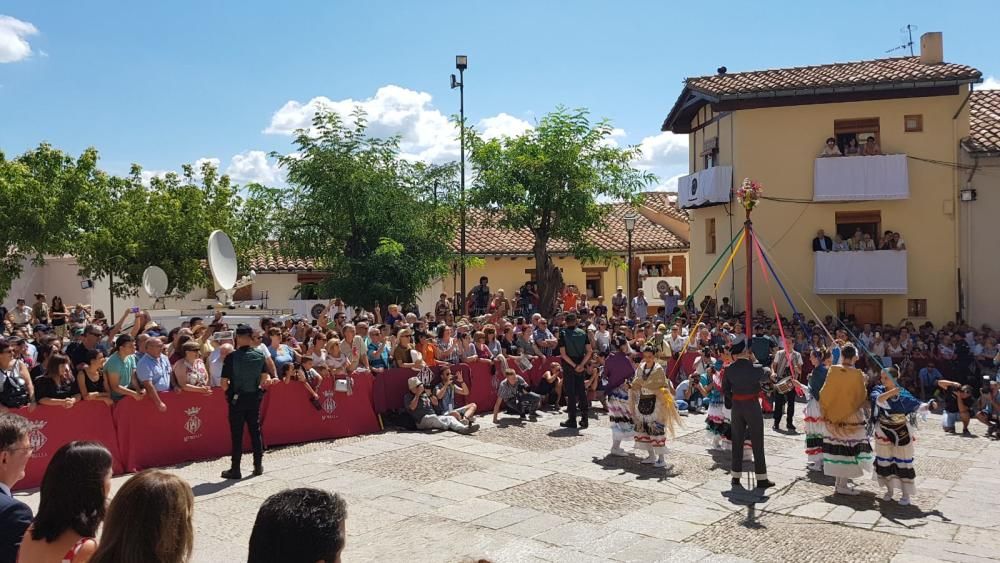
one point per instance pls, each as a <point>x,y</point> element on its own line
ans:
<point>549,180</point>
<point>382,226</point>
<point>167,223</point>
<point>48,197</point>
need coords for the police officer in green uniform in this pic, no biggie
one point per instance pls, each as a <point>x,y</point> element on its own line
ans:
<point>575,351</point>
<point>243,375</point>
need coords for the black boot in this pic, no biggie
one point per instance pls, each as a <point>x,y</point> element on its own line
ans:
<point>584,422</point>
<point>258,468</point>
<point>571,423</point>
<point>232,474</point>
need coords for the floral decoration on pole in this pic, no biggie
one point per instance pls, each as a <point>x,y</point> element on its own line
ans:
<point>748,194</point>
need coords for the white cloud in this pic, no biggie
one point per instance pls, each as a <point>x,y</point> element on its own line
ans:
<point>13,43</point>
<point>612,140</point>
<point>991,83</point>
<point>426,134</point>
<point>663,150</point>
<point>254,166</point>
<point>669,185</point>
<point>146,176</point>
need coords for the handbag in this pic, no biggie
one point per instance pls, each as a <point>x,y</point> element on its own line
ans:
<point>647,404</point>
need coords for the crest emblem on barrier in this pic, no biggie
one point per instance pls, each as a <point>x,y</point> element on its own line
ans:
<point>36,437</point>
<point>329,405</point>
<point>193,423</point>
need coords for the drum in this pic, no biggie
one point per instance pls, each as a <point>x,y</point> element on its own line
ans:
<point>785,385</point>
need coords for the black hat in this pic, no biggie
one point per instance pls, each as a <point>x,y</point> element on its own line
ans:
<point>244,330</point>
<point>737,348</point>
<point>571,317</point>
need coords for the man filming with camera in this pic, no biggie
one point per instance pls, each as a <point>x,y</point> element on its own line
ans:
<point>515,394</point>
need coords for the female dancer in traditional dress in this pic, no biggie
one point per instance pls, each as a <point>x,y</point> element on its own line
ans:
<point>815,426</point>
<point>847,454</point>
<point>652,403</point>
<point>619,370</point>
<point>894,435</point>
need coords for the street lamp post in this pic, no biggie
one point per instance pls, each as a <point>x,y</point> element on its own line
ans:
<point>461,63</point>
<point>630,220</point>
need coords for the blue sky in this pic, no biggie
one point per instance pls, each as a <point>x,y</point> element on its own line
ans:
<point>166,83</point>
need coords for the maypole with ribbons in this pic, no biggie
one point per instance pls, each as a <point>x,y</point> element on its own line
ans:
<point>748,194</point>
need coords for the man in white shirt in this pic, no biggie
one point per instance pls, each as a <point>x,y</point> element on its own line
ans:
<point>223,347</point>
<point>640,308</point>
<point>780,370</point>
<point>21,315</point>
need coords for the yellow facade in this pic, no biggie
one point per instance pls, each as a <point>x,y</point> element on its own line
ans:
<point>777,146</point>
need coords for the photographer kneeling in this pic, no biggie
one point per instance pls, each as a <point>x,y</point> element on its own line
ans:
<point>515,394</point>
<point>420,405</point>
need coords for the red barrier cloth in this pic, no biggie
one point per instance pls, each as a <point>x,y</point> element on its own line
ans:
<point>289,417</point>
<point>390,386</point>
<point>194,427</point>
<point>483,385</point>
<point>52,427</point>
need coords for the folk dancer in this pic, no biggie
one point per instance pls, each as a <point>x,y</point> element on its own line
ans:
<point>651,401</point>
<point>847,454</point>
<point>620,370</point>
<point>815,427</point>
<point>785,365</point>
<point>741,385</point>
<point>894,435</point>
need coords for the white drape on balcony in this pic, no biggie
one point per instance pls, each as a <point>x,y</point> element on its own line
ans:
<point>711,185</point>
<point>861,178</point>
<point>860,272</point>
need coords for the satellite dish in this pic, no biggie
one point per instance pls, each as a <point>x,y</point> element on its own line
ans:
<point>222,260</point>
<point>154,281</point>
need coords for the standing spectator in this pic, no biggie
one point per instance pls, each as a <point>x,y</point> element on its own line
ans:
<point>871,147</point>
<point>618,302</point>
<point>56,387</point>
<point>153,372</point>
<point>90,379</point>
<point>928,376</point>
<point>40,309</point>
<point>575,351</point>
<point>189,372</point>
<point>74,497</point>
<point>640,308</point>
<point>15,451</point>
<point>119,370</point>
<point>223,347</point>
<point>831,148</point>
<point>785,365</point>
<point>59,316</point>
<point>299,526</point>
<point>600,310</point>
<point>544,339</point>
<point>21,316</point>
<point>149,520</point>
<point>78,351</point>
<point>481,297</point>
<point>726,310</point>
<point>442,308</point>
<point>378,351</point>
<point>670,300</point>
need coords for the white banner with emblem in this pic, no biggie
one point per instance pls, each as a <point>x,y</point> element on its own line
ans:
<point>711,185</point>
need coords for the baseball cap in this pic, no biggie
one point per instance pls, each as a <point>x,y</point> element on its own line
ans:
<point>78,331</point>
<point>413,383</point>
<point>244,330</point>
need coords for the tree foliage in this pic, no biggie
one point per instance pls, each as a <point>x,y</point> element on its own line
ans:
<point>167,223</point>
<point>49,198</point>
<point>381,226</point>
<point>549,180</point>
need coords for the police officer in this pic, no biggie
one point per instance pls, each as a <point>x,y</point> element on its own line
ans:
<point>243,375</point>
<point>740,389</point>
<point>575,350</point>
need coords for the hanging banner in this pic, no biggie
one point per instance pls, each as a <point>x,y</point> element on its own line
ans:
<point>705,187</point>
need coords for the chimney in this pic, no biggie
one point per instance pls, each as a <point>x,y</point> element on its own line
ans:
<point>931,48</point>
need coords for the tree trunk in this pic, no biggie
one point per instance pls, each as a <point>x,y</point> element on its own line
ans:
<point>549,278</point>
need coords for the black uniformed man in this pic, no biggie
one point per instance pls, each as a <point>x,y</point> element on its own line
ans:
<point>740,389</point>
<point>575,350</point>
<point>243,375</point>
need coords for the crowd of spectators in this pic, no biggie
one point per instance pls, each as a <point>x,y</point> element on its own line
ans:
<point>850,147</point>
<point>859,241</point>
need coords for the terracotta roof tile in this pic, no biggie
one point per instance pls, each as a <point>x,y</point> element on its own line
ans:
<point>984,122</point>
<point>483,237</point>
<point>877,72</point>
<point>270,259</point>
<point>665,203</point>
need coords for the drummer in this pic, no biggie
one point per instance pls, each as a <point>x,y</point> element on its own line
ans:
<point>783,374</point>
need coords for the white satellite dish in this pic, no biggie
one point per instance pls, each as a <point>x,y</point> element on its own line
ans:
<point>222,259</point>
<point>154,281</point>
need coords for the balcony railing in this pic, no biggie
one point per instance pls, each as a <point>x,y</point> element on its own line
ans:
<point>861,178</point>
<point>881,272</point>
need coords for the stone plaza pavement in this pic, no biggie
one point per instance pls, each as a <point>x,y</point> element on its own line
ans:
<point>536,492</point>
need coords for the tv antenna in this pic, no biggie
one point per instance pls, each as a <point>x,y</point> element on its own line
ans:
<point>908,30</point>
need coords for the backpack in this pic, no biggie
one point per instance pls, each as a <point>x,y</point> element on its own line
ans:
<point>15,392</point>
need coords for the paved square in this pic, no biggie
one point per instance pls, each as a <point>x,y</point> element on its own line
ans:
<point>537,492</point>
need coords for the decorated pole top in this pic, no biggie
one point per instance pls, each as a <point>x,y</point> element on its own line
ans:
<point>748,194</point>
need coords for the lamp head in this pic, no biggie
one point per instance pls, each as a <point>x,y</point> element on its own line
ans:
<point>630,220</point>
<point>461,62</point>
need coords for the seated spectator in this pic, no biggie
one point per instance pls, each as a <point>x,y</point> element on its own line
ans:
<point>16,387</point>
<point>831,148</point>
<point>15,451</point>
<point>119,370</point>
<point>839,244</point>
<point>550,387</point>
<point>871,147</point>
<point>57,387</point>
<point>852,148</point>
<point>90,379</point>
<point>307,376</point>
<point>545,341</point>
<point>420,404</point>
<point>189,373</point>
<point>515,394</point>
<point>821,243</point>
<point>958,403</point>
<point>74,497</point>
<point>445,392</point>
<point>153,371</point>
<point>149,520</point>
<point>299,526</point>
<point>886,242</point>
<point>426,350</point>
<point>867,243</point>
<point>378,351</point>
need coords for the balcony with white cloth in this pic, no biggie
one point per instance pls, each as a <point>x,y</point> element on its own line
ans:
<point>860,272</point>
<point>705,187</point>
<point>861,178</point>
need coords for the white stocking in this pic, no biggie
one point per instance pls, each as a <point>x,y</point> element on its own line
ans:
<point>616,444</point>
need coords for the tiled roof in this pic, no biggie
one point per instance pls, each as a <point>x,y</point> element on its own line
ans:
<point>665,203</point>
<point>984,122</point>
<point>901,70</point>
<point>483,237</point>
<point>270,259</point>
